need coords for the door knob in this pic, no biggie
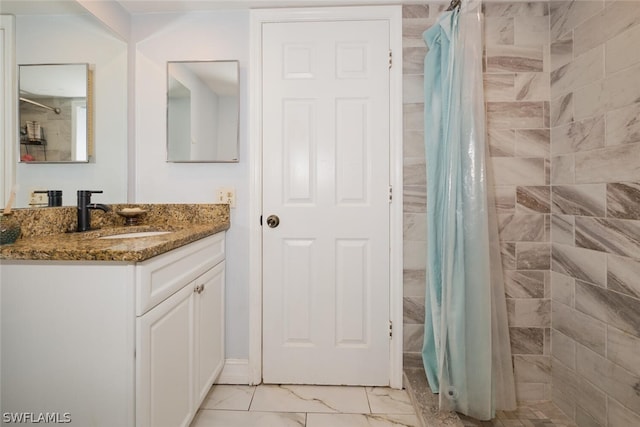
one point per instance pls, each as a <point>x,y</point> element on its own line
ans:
<point>273,221</point>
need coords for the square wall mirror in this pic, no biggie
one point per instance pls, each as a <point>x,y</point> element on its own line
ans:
<point>203,111</point>
<point>55,113</point>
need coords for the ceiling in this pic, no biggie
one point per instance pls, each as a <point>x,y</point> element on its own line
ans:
<point>134,7</point>
<point>63,7</point>
<point>41,7</point>
<point>155,6</point>
<point>158,6</point>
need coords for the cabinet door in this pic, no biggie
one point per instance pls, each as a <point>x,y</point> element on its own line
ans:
<point>209,348</point>
<point>164,362</point>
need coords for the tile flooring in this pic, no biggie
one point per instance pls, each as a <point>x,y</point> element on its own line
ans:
<point>530,414</point>
<point>310,406</point>
<point>333,406</point>
<point>533,414</point>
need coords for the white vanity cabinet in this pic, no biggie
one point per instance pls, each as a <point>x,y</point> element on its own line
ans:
<point>180,341</point>
<point>114,343</point>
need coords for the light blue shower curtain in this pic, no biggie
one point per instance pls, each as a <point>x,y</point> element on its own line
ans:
<point>466,350</point>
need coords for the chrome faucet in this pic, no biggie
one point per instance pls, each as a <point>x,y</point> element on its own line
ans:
<point>84,207</point>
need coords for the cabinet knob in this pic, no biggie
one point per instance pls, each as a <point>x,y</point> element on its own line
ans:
<point>198,289</point>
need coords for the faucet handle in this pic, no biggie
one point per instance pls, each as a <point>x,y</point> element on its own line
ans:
<point>84,196</point>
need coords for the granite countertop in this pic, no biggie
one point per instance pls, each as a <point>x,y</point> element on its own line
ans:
<point>48,233</point>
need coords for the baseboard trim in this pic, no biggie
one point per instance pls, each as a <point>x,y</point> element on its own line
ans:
<point>235,371</point>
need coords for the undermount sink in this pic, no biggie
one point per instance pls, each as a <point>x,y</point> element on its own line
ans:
<point>135,235</point>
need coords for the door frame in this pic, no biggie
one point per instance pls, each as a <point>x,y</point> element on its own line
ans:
<point>392,14</point>
<point>9,117</point>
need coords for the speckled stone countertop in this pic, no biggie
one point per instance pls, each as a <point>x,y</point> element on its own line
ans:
<point>49,233</point>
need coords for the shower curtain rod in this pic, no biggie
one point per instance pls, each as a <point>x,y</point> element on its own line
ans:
<point>55,110</point>
<point>454,4</point>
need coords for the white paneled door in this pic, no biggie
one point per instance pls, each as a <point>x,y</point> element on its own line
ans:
<point>326,179</point>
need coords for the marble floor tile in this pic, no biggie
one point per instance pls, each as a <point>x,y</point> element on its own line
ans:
<point>361,420</point>
<point>384,400</point>
<point>211,418</point>
<point>297,398</point>
<point>233,397</point>
<point>298,405</point>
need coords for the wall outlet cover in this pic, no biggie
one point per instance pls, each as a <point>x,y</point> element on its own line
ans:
<point>226,195</point>
<point>38,199</point>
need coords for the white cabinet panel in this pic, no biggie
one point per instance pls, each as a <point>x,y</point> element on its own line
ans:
<point>209,330</point>
<point>164,363</point>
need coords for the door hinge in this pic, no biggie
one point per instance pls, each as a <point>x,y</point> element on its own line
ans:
<point>390,329</point>
<point>390,59</point>
<point>390,194</point>
<point>260,220</point>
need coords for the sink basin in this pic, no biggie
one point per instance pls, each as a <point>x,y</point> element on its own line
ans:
<point>135,235</point>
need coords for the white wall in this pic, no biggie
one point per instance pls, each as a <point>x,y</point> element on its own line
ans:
<point>216,35</point>
<point>42,39</point>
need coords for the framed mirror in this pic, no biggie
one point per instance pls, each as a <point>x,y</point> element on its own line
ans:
<point>55,113</point>
<point>203,111</point>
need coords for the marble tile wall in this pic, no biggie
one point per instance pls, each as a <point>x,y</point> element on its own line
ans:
<point>517,95</point>
<point>595,210</point>
<point>517,103</point>
<point>416,19</point>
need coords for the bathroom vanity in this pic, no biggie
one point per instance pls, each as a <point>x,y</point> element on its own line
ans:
<point>136,340</point>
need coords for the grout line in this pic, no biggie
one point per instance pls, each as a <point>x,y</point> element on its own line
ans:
<point>255,388</point>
